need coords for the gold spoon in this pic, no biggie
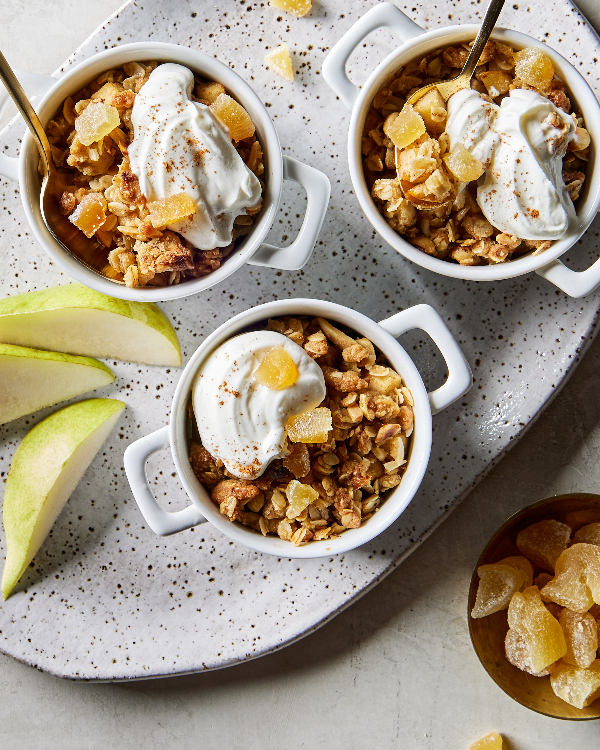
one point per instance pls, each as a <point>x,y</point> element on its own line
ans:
<point>88,251</point>
<point>462,81</point>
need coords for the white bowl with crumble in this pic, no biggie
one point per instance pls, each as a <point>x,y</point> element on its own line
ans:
<point>173,167</point>
<point>498,181</point>
<point>300,428</point>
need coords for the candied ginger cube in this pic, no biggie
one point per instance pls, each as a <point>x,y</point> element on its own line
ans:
<point>299,496</point>
<point>497,584</point>
<point>462,165</point>
<point>543,636</point>
<point>542,579</point>
<point>520,563</point>
<point>432,109</point>
<point>297,8</point>
<point>169,210</point>
<point>405,128</point>
<point>581,634</point>
<point>516,648</point>
<point>589,534</point>
<point>234,116</point>
<point>310,427</point>
<point>576,584</point>
<point>277,370</point>
<point>279,60</point>
<point>90,214</point>
<point>534,67</point>
<point>209,91</point>
<point>492,741</point>
<point>497,82</point>
<point>96,121</point>
<point>543,542</point>
<point>298,462</point>
<point>578,518</point>
<point>577,686</point>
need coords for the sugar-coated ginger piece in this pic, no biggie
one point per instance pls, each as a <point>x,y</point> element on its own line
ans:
<point>543,542</point>
<point>589,534</point>
<point>497,82</point>
<point>516,648</point>
<point>432,109</point>
<point>576,584</point>
<point>405,128</point>
<point>311,427</point>
<point>208,92</point>
<point>534,67</point>
<point>277,370</point>
<point>165,211</point>
<point>520,563</point>
<point>577,686</point>
<point>279,60</point>
<point>234,116</point>
<point>299,496</point>
<point>462,165</point>
<point>492,741</point>
<point>543,636</point>
<point>581,635</point>
<point>96,121</point>
<point>297,8</point>
<point>497,584</point>
<point>90,214</point>
<point>578,518</point>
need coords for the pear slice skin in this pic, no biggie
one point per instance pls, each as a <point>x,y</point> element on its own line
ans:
<point>45,470</point>
<point>75,319</point>
<point>32,379</point>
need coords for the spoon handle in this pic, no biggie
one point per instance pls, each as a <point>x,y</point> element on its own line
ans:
<point>489,21</point>
<point>19,97</point>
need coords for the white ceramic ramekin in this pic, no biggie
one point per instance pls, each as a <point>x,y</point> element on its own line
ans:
<point>415,43</point>
<point>382,335</point>
<point>278,168</point>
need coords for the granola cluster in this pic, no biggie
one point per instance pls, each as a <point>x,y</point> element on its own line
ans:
<point>343,480</point>
<point>104,199</point>
<point>420,200</point>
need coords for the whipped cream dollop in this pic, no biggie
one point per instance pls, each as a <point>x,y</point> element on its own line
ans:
<point>181,146</point>
<point>521,143</point>
<point>241,421</point>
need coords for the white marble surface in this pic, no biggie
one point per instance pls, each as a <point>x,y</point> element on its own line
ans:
<point>396,669</point>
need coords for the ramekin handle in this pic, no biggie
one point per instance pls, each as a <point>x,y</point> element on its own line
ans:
<point>160,521</point>
<point>383,16</point>
<point>318,190</point>
<point>459,373</point>
<point>573,283</point>
<point>34,84</point>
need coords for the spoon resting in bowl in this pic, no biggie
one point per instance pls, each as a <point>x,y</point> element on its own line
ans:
<point>448,88</point>
<point>88,251</point>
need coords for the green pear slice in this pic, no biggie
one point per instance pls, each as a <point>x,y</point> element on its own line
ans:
<point>45,470</point>
<point>31,379</point>
<point>74,319</point>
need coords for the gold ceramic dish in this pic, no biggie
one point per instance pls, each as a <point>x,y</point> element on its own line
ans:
<point>488,633</point>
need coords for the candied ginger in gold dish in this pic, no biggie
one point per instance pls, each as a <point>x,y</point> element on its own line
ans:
<point>497,584</point>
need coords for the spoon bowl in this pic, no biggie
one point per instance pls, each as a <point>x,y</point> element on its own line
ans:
<point>88,251</point>
<point>448,88</point>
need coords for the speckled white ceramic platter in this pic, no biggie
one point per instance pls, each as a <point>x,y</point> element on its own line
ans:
<point>106,598</point>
